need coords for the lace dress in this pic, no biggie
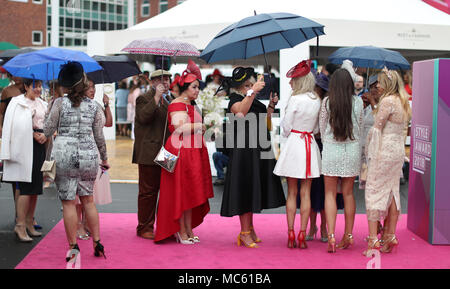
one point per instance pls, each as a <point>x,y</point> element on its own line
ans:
<point>385,150</point>
<point>76,147</point>
<point>341,158</point>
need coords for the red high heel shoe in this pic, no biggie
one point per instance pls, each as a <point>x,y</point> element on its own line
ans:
<point>302,240</point>
<point>291,240</point>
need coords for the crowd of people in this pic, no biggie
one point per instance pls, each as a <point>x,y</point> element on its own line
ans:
<point>335,130</point>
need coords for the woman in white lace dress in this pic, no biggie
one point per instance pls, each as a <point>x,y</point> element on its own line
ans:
<point>386,153</point>
<point>340,127</point>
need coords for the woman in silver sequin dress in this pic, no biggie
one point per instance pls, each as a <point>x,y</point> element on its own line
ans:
<point>80,138</point>
<point>340,127</point>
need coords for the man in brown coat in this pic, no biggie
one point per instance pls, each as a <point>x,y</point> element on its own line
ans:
<point>150,121</point>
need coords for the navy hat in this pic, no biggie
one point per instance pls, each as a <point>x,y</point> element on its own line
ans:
<point>322,81</point>
<point>70,74</point>
<point>373,79</point>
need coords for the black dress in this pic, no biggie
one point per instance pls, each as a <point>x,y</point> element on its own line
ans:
<point>250,184</point>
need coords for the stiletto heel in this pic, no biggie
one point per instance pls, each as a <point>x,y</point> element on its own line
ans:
<point>324,236</point>
<point>240,241</point>
<point>312,234</point>
<point>390,243</point>
<point>291,239</point>
<point>73,253</point>
<point>331,244</point>
<point>99,250</point>
<point>346,242</point>
<point>301,240</point>
<point>189,241</point>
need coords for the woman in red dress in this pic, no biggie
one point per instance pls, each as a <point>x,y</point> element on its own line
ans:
<point>183,197</point>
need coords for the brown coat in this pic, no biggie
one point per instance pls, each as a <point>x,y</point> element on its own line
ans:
<point>149,128</point>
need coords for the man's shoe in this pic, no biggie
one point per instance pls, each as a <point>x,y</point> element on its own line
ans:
<point>147,235</point>
<point>219,182</point>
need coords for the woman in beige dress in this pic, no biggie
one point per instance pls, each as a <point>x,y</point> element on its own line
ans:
<point>386,152</point>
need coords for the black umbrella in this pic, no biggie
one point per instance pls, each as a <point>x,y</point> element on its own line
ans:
<point>8,54</point>
<point>115,68</point>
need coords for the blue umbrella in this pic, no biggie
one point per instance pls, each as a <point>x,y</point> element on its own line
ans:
<point>370,57</point>
<point>260,34</point>
<point>45,64</point>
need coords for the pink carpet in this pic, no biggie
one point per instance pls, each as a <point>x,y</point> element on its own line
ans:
<point>218,249</point>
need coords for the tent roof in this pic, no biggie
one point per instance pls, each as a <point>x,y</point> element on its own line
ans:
<point>219,11</point>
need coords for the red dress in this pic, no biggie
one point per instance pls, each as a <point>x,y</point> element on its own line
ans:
<point>190,184</point>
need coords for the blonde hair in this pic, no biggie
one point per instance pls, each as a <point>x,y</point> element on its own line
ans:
<point>301,85</point>
<point>393,84</point>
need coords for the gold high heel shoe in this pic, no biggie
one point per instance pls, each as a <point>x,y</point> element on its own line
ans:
<point>240,241</point>
<point>346,242</point>
<point>390,242</point>
<point>331,244</point>
<point>257,240</point>
<point>372,244</point>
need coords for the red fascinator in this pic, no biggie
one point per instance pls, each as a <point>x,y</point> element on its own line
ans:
<point>300,70</point>
<point>217,73</point>
<point>191,73</point>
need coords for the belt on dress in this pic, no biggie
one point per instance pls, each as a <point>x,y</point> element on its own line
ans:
<point>308,140</point>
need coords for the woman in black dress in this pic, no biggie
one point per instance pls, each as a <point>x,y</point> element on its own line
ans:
<point>250,185</point>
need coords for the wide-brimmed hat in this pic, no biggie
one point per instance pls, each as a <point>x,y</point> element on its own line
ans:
<point>70,74</point>
<point>240,75</point>
<point>300,70</point>
<point>159,73</point>
<point>322,81</point>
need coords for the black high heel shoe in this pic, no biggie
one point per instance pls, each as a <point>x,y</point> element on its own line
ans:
<point>99,249</point>
<point>73,252</point>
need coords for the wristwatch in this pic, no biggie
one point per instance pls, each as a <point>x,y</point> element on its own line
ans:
<point>250,92</point>
<point>106,104</point>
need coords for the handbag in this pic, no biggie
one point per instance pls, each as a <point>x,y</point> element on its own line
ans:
<point>102,188</point>
<point>164,158</point>
<point>48,168</point>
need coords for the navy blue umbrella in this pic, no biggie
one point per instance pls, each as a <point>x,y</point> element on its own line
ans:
<point>115,68</point>
<point>45,64</point>
<point>370,57</point>
<point>260,34</point>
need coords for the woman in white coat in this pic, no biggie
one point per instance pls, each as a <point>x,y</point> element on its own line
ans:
<point>23,152</point>
<point>300,155</point>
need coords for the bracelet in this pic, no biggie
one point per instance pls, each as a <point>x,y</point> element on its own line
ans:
<point>106,105</point>
<point>272,107</point>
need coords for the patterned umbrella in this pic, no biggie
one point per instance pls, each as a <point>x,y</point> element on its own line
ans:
<point>161,46</point>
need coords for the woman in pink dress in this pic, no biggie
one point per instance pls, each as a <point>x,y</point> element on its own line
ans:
<point>184,193</point>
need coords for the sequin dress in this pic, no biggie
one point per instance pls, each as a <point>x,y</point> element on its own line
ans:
<point>341,158</point>
<point>76,147</point>
<point>386,152</point>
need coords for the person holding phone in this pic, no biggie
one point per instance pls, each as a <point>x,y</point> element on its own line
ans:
<point>250,185</point>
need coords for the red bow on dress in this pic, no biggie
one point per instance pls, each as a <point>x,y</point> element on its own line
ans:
<point>308,140</point>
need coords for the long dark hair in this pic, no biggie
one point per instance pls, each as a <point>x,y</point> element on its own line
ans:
<point>341,104</point>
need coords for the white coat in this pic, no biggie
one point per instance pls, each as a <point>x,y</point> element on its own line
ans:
<point>17,141</point>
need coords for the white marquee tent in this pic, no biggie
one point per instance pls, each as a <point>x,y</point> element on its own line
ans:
<point>399,24</point>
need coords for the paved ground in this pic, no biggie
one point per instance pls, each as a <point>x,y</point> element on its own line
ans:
<point>48,213</point>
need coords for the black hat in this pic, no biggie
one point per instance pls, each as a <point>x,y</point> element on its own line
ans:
<point>70,74</point>
<point>240,75</point>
